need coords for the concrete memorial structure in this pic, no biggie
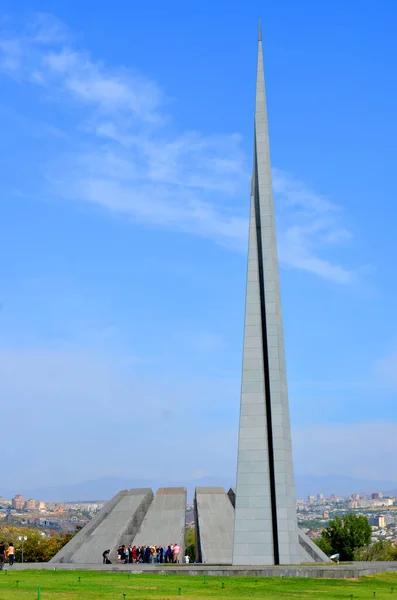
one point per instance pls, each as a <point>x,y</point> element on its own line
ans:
<point>164,522</point>
<point>117,523</point>
<point>265,526</point>
<point>214,519</point>
<point>255,524</point>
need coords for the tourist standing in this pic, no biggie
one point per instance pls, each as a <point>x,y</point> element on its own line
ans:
<point>11,553</point>
<point>177,550</point>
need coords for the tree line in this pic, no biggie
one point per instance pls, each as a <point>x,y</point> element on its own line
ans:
<point>37,547</point>
<point>350,537</point>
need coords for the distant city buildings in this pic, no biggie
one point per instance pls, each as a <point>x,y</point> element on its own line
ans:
<point>315,514</point>
<point>47,515</point>
<point>378,521</point>
<point>333,498</point>
<point>18,502</point>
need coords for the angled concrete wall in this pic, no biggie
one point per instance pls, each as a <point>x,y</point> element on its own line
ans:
<point>214,517</point>
<point>65,554</point>
<point>165,520</point>
<point>310,552</point>
<point>121,517</point>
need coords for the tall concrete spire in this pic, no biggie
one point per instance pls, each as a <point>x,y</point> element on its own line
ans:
<point>266,530</point>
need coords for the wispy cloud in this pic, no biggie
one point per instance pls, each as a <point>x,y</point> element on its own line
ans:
<point>344,449</point>
<point>116,91</point>
<point>381,377</point>
<point>386,370</point>
<point>128,159</point>
<point>310,224</point>
<point>84,386</point>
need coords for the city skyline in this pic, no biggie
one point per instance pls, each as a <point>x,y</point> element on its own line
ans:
<point>126,173</point>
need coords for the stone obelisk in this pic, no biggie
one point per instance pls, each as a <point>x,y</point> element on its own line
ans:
<point>266,530</point>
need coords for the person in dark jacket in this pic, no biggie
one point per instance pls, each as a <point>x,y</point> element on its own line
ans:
<point>2,554</point>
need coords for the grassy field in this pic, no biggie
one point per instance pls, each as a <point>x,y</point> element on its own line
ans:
<point>75,585</point>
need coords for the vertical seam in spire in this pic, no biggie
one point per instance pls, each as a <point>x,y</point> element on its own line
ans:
<point>266,368</point>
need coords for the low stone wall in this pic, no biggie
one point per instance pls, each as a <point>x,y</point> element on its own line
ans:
<point>347,571</point>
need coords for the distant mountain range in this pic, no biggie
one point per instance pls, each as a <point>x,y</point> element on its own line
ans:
<point>105,487</point>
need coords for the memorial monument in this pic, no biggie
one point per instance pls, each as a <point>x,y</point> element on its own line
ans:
<point>255,524</point>
<point>266,529</point>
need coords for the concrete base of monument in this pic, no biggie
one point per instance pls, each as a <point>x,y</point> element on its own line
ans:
<point>341,571</point>
<point>138,517</point>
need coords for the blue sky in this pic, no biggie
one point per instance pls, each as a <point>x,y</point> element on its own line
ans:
<point>126,150</point>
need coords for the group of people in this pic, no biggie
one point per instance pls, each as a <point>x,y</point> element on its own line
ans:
<point>145,554</point>
<point>8,552</point>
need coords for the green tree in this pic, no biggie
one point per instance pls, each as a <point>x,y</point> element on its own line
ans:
<point>190,543</point>
<point>37,548</point>
<point>346,535</point>
<point>382,550</point>
<point>325,545</point>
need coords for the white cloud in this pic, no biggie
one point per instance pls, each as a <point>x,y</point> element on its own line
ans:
<point>310,223</point>
<point>86,406</point>
<point>44,28</point>
<point>98,401</point>
<point>110,91</point>
<point>386,371</point>
<point>351,449</point>
<point>10,54</point>
<point>128,160</point>
<point>381,379</point>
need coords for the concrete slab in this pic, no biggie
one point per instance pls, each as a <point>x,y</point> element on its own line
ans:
<point>214,517</point>
<point>310,552</point>
<point>120,517</point>
<point>164,522</point>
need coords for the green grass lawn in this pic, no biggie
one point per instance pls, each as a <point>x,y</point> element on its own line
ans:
<point>65,585</point>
